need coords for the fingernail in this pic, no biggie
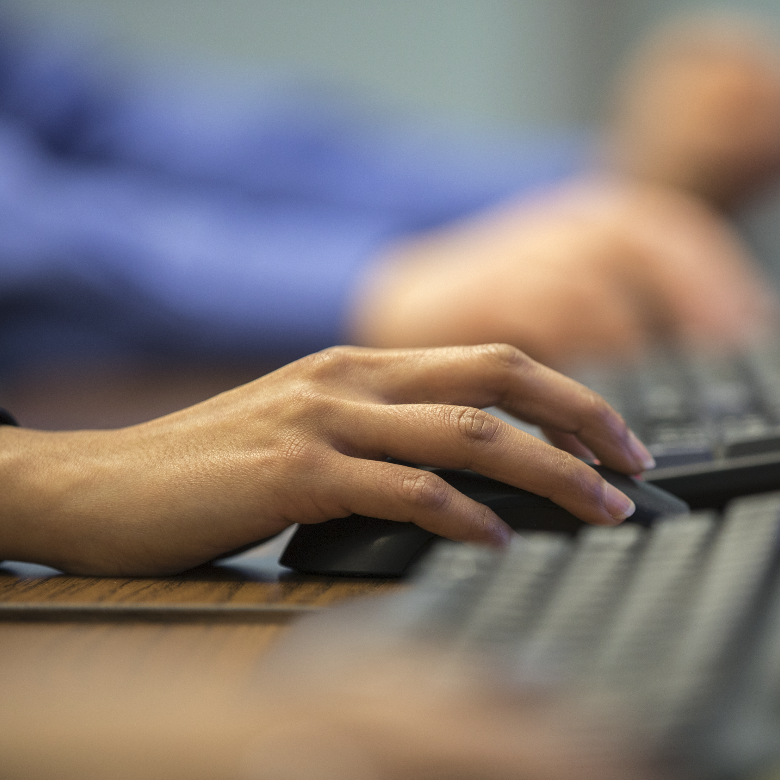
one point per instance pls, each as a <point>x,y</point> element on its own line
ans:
<point>618,504</point>
<point>639,451</point>
<point>502,534</point>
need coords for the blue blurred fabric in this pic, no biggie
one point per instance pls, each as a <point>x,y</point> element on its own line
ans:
<point>185,216</point>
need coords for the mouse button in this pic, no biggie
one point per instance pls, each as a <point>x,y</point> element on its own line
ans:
<point>650,500</point>
<point>653,502</point>
<point>476,486</point>
<point>356,546</point>
<point>620,481</point>
<point>522,510</point>
<point>535,514</point>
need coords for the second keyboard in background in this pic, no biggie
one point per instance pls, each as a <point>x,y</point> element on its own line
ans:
<point>711,422</point>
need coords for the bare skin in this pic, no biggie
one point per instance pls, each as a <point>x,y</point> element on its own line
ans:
<point>605,267</point>
<point>304,444</point>
<point>598,268</point>
<point>698,109</point>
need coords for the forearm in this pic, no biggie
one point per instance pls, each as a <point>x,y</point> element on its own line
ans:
<point>114,502</point>
<point>43,475</point>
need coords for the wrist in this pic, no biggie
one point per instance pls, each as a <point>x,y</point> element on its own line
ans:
<point>43,477</point>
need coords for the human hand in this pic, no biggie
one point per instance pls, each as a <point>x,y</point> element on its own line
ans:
<point>304,444</point>
<point>595,269</point>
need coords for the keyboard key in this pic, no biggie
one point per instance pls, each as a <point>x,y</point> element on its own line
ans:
<point>584,598</point>
<point>701,417</point>
<point>513,598</point>
<point>674,629</point>
<point>758,444</point>
<point>643,636</point>
<point>681,453</point>
<point>738,564</point>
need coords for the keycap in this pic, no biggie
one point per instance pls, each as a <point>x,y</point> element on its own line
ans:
<point>515,595</point>
<point>743,552</point>
<point>750,438</point>
<point>583,599</point>
<point>656,603</point>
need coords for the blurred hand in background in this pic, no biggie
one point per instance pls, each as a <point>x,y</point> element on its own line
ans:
<point>636,256</point>
<point>597,268</point>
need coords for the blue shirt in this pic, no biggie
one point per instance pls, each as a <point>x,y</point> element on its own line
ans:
<point>177,215</point>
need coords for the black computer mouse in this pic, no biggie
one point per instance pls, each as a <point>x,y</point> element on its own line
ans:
<point>361,546</point>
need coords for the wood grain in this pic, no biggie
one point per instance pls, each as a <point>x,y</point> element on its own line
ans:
<point>253,578</point>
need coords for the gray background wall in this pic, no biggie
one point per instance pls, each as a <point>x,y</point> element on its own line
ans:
<point>510,62</point>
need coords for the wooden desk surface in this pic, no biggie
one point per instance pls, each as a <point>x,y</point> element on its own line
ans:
<point>253,579</point>
<point>229,612</point>
<point>251,591</point>
<point>152,675</point>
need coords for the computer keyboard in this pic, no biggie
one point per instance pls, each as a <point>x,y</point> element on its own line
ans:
<point>712,423</point>
<point>675,629</point>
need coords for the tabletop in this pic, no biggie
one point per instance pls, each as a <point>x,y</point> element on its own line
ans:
<point>71,647</point>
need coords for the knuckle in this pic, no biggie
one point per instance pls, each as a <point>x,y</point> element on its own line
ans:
<point>579,477</point>
<point>474,425</point>
<point>426,491</point>
<point>331,361</point>
<point>308,416</point>
<point>299,452</point>
<point>309,405</point>
<point>505,356</point>
<point>600,411</point>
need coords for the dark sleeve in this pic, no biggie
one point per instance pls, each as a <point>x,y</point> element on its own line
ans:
<point>6,418</point>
